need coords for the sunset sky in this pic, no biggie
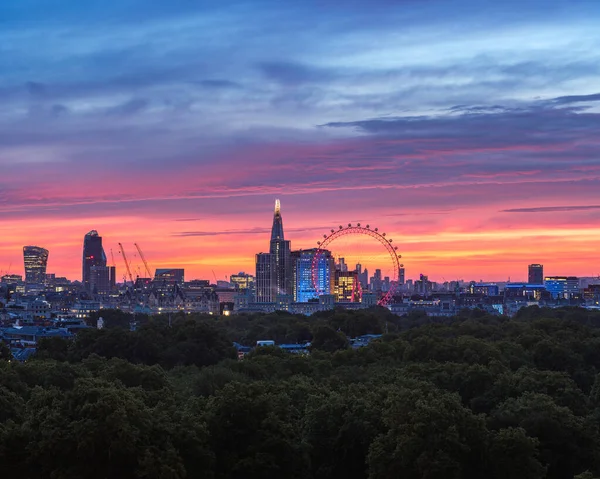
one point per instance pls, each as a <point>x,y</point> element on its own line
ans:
<point>469,131</point>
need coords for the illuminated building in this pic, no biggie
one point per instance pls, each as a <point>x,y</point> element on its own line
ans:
<point>536,274</point>
<point>530,291</point>
<point>562,287</point>
<point>274,269</point>
<point>242,282</point>
<point>93,255</point>
<point>36,260</point>
<point>170,275</point>
<point>346,287</point>
<point>303,284</point>
<point>484,289</point>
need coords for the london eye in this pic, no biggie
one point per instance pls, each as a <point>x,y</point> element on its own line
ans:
<point>387,257</point>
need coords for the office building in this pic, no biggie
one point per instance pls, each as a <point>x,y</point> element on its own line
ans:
<point>536,274</point>
<point>274,269</point>
<point>346,287</point>
<point>100,279</point>
<point>363,276</point>
<point>93,255</point>
<point>242,282</point>
<point>304,286</point>
<point>562,287</point>
<point>170,275</point>
<point>263,278</point>
<point>376,283</point>
<point>36,261</point>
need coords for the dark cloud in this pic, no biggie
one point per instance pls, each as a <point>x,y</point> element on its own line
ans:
<point>551,209</point>
<point>35,89</point>
<point>289,73</point>
<point>536,124</point>
<point>576,98</point>
<point>133,106</point>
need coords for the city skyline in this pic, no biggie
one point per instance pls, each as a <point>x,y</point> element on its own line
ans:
<point>467,133</point>
<point>276,233</point>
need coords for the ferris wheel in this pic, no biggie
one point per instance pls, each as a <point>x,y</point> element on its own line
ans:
<point>389,256</point>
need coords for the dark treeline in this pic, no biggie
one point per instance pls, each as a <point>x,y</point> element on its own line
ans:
<point>467,397</point>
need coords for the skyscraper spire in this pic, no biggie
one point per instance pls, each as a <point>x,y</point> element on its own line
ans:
<point>277,230</point>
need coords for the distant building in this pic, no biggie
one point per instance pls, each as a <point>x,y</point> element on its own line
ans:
<point>346,287</point>
<point>100,279</point>
<point>376,282</point>
<point>562,287</point>
<point>274,269</point>
<point>170,275</point>
<point>36,261</point>
<point>529,291</point>
<point>242,282</point>
<point>263,278</point>
<point>303,281</point>
<point>423,285</point>
<point>536,274</point>
<point>93,255</point>
<point>11,278</point>
<point>484,289</point>
<point>363,277</point>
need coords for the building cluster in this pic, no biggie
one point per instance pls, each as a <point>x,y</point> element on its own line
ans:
<point>308,280</point>
<point>302,281</point>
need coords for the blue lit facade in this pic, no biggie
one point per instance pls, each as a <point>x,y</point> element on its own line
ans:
<point>304,288</point>
<point>562,287</point>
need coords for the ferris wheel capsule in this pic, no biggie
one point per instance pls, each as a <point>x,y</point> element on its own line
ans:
<point>318,242</point>
<point>324,236</point>
<point>341,226</point>
<point>376,229</point>
<point>349,225</point>
<point>382,234</point>
<point>367,226</point>
<point>333,231</point>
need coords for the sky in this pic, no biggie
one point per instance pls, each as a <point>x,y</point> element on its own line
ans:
<point>466,130</point>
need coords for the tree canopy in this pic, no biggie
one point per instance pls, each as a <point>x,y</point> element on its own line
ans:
<point>466,397</point>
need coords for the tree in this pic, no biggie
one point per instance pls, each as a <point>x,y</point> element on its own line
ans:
<point>514,454</point>
<point>325,338</point>
<point>430,435</point>
<point>5,354</point>
<point>566,444</point>
<point>254,433</point>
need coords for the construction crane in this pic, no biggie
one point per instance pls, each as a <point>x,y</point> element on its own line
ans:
<point>126,263</point>
<point>143,260</point>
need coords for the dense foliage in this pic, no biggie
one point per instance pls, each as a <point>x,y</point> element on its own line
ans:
<point>466,397</point>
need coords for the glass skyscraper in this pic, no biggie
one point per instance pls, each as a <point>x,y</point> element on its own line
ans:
<point>93,255</point>
<point>274,269</point>
<point>303,281</point>
<point>36,260</point>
